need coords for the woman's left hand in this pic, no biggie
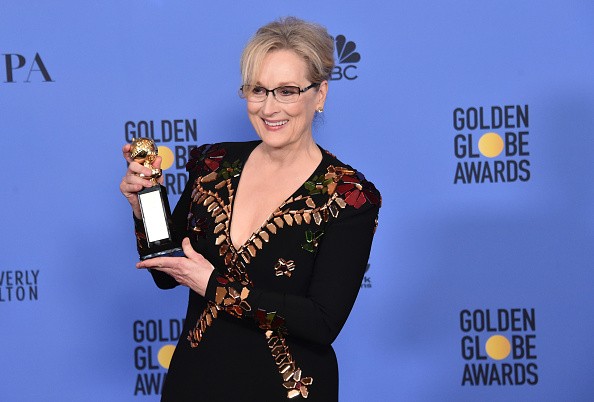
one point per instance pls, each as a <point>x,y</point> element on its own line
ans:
<point>192,271</point>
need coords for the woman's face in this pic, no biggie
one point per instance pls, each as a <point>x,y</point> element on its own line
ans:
<point>285,124</point>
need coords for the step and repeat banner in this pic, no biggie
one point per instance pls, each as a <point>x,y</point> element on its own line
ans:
<point>474,119</point>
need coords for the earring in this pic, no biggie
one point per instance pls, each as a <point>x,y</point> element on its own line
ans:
<point>320,110</point>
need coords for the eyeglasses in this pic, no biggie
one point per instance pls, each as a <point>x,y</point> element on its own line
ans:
<point>284,94</point>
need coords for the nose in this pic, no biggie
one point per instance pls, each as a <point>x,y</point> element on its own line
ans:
<point>270,105</point>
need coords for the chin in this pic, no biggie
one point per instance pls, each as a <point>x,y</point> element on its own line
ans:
<point>274,140</point>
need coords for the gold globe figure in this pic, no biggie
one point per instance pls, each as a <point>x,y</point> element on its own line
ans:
<point>144,151</point>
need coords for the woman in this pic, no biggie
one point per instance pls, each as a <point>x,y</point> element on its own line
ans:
<point>266,299</point>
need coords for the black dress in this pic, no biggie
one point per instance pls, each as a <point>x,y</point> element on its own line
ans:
<point>273,307</point>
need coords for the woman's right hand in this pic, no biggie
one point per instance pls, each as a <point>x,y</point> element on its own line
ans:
<point>132,183</point>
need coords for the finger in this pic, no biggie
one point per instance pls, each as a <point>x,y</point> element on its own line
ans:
<point>126,153</point>
<point>157,162</point>
<point>138,181</point>
<point>134,183</point>
<point>130,188</point>
<point>195,256</point>
<point>159,263</point>
<point>136,169</point>
<point>157,165</point>
<point>188,250</point>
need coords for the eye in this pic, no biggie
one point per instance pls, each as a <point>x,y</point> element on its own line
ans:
<point>256,90</point>
<point>288,91</point>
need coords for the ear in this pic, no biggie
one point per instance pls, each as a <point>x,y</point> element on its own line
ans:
<point>321,95</point>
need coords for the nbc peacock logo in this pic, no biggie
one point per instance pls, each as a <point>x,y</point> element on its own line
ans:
<point>347,58</point>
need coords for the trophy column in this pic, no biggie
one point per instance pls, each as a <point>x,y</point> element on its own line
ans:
<point>154,205</point>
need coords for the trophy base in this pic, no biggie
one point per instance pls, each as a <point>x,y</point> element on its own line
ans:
<point>174,252</point>
<point>156,217</point>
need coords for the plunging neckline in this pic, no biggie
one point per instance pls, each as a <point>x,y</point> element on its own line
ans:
<point>282,204</point>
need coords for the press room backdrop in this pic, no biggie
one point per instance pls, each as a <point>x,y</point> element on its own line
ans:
<point>474,118</point>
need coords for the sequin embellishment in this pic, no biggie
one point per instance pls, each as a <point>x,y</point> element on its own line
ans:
<point>207,157</point>
<point>231,300</point>
<point>356,191</point>
<point>283,267</point>
<point>199,226</point>
<point>319,185</point>
<point>311,240</point>
<point>269,320</point>
<point>293,378</point>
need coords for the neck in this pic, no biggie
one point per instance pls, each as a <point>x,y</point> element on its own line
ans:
<point>299,153</point>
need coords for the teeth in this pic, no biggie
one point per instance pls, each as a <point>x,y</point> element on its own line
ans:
<point>276,124</point>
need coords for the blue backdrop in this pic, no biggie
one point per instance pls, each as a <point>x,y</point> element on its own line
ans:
<point>474,119</point>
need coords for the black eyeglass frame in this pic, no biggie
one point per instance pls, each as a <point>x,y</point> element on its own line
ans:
<point>273,91</point>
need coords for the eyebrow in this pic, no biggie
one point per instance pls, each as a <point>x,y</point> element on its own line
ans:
<point>282,84</point>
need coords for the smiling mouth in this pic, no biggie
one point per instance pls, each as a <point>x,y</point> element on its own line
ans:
<point>275,123</point>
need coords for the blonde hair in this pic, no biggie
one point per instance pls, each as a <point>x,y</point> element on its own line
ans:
<point>308,40</point>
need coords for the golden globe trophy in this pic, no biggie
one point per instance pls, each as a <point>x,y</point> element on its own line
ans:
<point>154,205</point>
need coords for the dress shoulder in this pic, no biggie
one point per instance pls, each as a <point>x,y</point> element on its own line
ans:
<point>350,184</point>
<point>208,157</point>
